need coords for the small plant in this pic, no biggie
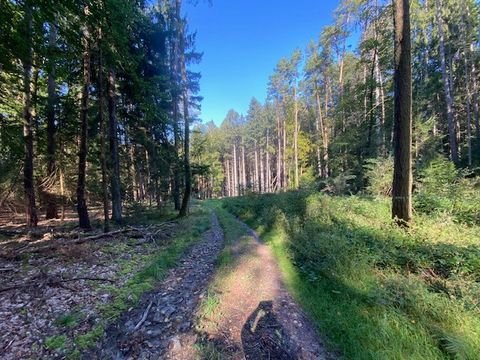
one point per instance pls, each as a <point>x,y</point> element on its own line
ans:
<point>209,304</point>
<point>55,342</point>
<point>68,320</point>
<point>89,339</point>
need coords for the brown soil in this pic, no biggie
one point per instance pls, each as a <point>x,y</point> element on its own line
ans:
<point>256,317</point>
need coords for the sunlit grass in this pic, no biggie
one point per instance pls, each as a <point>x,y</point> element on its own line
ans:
<point>374,290</point>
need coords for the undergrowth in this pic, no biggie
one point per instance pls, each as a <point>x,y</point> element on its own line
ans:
<point>376,291</point>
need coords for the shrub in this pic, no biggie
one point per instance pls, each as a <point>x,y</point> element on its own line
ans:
<point>379,175</point>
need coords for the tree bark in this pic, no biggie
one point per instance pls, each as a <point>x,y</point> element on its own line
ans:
<point>113,146</point>
<point>324,137</point>
<point>83,218</point>
<point>103,134</point>
<point>447,86</point>
<point>228,191</point>
<point>262,173</point>
<point>279,150</point>
<point>402,178</point>
<point>295,138</point>
<point>268,182</point>
<point>28,181</point>
<point>244,171</point>
<point>51,206</point>
<point>235,171</point>
<point>258,179</point>
<point>186,144</point>
<point>284,158</point>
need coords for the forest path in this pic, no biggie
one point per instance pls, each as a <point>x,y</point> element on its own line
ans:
<point>252,315</point>
<point>240,311</point>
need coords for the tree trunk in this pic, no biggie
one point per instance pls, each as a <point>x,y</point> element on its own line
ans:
<point>113,146</point>
<point>475,98</point>
<point>295,138</point>
<point>262,173</point>
<point>228,181</point>
<point>176,168</point>
<point>188,173</point>
<point>284,157</point>
<point>83,218</point>
<point>235,171</point>
<point>258,179</point>
<point>244,171</point>
<point>379,107</point>
<point>28,182</point>
<point>402,178</point>
<point>279,147</point>
<point>268,182</point>
<point>103,134</point>
<point>325,133</point>
<point>51,206</point>
<point>324,137</point>
<point>452,131</point>
<point>468,105</point>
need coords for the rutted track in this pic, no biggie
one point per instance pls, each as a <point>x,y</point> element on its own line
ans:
<point>154,329</point>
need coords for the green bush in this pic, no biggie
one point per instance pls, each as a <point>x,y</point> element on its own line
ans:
<point>442,189</point>
<point>379,175</point>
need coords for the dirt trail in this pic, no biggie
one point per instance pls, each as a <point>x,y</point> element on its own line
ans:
<point>256,318</point>
<point>154,328</point>
<point>253,316</point>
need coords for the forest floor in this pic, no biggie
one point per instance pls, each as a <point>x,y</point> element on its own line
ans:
<point>204,287</point>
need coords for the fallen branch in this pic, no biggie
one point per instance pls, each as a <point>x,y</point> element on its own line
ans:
<point>52,282</point>
<point>145,233</point>
<point>144,317</point>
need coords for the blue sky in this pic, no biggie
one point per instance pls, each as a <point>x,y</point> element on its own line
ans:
<point>242,41</point>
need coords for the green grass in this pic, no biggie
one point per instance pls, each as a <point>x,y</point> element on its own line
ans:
<point>56,342</point>
<point>69,320</point>
<point>375,291</point>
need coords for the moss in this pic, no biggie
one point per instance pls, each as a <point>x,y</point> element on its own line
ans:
<point>55,342</point>
<point>89,339</point>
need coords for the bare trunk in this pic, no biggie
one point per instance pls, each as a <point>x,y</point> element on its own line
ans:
<point>284,158</point>
<point>28,182</point>
<point>186,148</point>
<point>262,173</point>
<point>228,179</point>
<point>468,105</point>
<point>402,178</point>
<point>324,137</point>
<point>103,135</point>
<point>52,209</point>
<point>236,176</point>
<point>475,97</point>
<point>244,173</point>
<point>268,183</point>
<point>447,86</point>
<point>62,193</point>
<point>295,139</point>
<point>379,115</point>
<point>113,143</point>
<point>325,134</point>
<point>258,181</point>
<point>83,218</point>
<point>279,150</point>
